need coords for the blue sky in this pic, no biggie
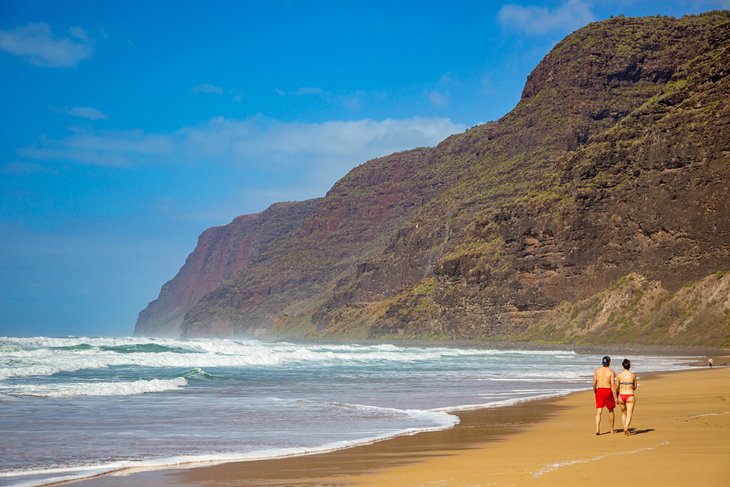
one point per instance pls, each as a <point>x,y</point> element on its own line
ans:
<point>130,127</point>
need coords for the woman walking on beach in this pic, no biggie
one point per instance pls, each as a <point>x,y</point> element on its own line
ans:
<point>626,399</point>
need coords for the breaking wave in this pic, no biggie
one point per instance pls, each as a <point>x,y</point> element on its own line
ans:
<point>43,356</point>
<point>122,388</point>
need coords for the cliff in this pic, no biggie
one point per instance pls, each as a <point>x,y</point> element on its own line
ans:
<point>220,255</point>
<point>614,162</point>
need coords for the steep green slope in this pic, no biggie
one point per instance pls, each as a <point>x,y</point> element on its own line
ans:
<point>636,310</point>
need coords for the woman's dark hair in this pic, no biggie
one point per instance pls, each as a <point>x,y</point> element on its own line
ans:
<point>626,363</point>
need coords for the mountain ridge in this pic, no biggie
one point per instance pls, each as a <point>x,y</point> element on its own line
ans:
<point>614,161</point>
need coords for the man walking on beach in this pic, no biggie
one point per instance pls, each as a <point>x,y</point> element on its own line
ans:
<point>604,387</point>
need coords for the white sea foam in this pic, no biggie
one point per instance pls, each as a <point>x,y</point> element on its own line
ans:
<point>505,402</point>
<point>44,356</point>
<point>566,463</point>
<point>120,388</point>
<point>440,417</point>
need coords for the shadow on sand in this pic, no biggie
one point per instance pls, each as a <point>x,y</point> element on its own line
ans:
<point>633,431</point>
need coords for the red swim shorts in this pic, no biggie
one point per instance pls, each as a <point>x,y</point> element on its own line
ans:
<point>604,398</point>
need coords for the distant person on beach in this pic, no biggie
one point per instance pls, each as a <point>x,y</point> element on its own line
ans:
<point>709,362</point>
<point>604,387</point>
<point>626,399</point>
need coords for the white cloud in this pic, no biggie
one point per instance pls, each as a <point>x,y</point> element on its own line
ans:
<point>208,89</point>
<point>319,152</point>
<point>88,113</point>
<point>537,21</point>
<point>36,44</point>
<point>283,145</point>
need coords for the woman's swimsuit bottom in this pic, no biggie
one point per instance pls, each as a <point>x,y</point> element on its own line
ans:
<point>625,397</point>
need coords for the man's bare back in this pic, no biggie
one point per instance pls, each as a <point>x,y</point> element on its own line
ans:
<point>603,377</point>
<point>604,388</point>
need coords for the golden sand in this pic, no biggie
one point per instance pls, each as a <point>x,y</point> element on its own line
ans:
<point>680,436</point>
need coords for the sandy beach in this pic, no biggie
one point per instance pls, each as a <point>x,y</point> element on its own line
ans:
<point>680,436</point>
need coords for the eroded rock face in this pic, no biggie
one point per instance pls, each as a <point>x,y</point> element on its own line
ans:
<point>615,161</point>
<point>221,254</point>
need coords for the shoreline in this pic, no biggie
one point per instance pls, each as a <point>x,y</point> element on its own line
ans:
<point>151,460</point>
<point>679,436</point>
<point>506,436</point>
<point>677,350</point>
<point>474,426</point>
<point>369,464</point>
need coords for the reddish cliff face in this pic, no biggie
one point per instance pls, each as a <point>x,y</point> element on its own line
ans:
<point>615,161</point>
<point>221,253</point>
<point>356,219</point>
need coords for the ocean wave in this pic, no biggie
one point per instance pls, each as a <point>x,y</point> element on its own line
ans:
<point>120,388</point>
<point>198,374</point>
<point>145,348</point>
<point>250,347</point>
<point>440,418</point>
<point>506,402</point>
<point>120,345</point>
<point>46,356</point>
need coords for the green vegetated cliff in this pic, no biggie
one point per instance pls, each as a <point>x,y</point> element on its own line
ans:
<point>597,210</point>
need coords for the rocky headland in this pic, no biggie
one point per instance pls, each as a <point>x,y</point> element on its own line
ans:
<point>597,210</point>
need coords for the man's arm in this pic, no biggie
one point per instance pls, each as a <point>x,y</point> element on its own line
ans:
<point>614,386</point>
<point>595,381</point>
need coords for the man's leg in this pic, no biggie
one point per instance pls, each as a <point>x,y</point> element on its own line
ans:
<point>611,418</point>
<point>598,420</point>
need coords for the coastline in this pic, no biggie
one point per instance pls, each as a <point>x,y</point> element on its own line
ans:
<point>546,440</point>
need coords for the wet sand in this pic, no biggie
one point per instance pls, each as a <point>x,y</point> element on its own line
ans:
<point>680,436</point>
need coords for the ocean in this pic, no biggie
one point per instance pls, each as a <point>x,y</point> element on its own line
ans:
<point>76,407</point>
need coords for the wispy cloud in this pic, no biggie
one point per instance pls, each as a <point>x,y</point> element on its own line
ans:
<point>208,89</point>
<point>703,5</point>
<point>88,113</point>
<point>24,168</point>
<point>114,148</point>
<point>308,91</point>
<point>438,98</point>
<point>351,100</point>
<point>316,150</point>
<point>537,21</point>
<point>36,44</point>
<point>304,91</point>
